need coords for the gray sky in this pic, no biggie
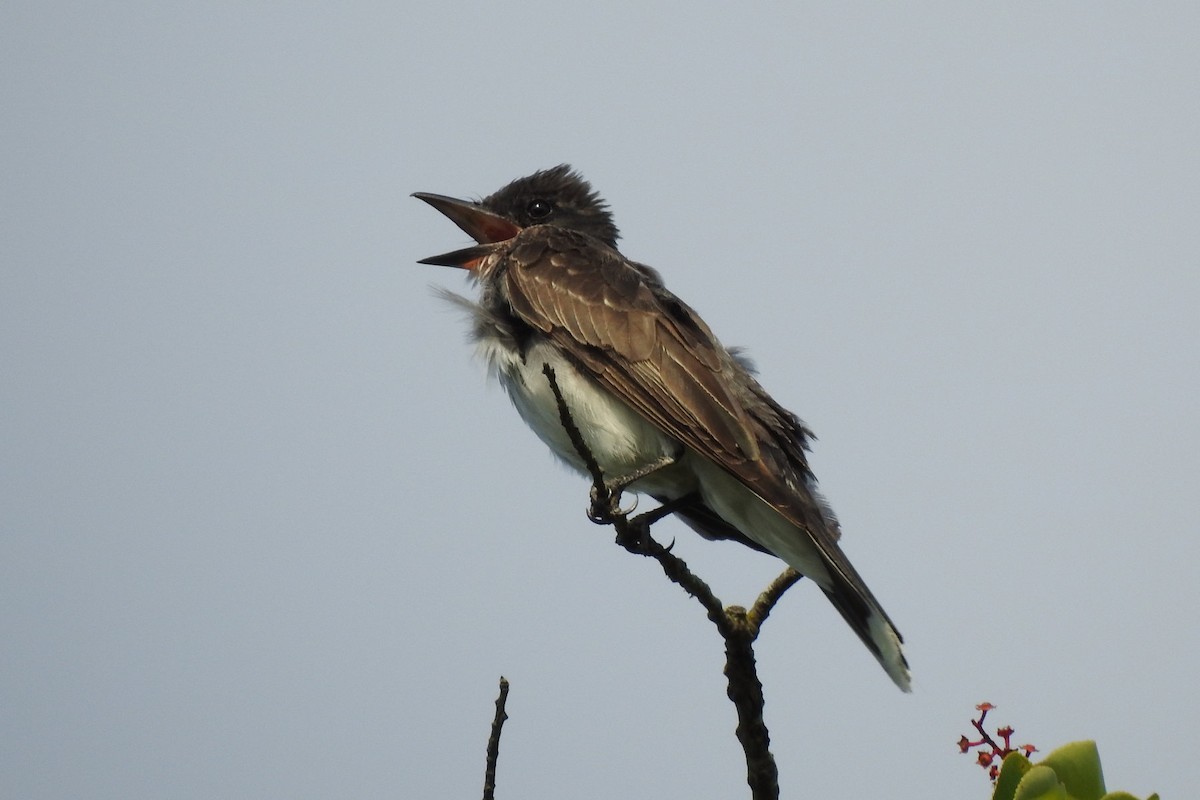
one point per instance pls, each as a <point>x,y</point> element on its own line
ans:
<point>266,532</point>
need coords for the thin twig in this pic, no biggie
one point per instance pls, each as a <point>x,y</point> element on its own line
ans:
<point>771,595</point>
<point>564,416</point>
<point>493,746</point>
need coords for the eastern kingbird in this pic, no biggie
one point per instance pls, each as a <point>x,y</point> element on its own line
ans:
<point>646,382</point>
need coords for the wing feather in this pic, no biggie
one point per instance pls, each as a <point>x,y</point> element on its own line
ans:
<point>635,338</point>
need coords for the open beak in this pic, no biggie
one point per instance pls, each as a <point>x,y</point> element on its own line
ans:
<point>485,227</point>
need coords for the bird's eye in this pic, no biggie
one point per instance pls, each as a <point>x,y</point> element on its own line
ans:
<point>539,209</point>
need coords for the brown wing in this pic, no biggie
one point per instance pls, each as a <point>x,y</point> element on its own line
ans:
<point>650,349</point>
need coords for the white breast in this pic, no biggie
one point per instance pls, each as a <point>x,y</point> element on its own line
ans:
<point>619,438</point>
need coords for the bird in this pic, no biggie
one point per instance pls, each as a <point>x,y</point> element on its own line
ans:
<point>648,385</point>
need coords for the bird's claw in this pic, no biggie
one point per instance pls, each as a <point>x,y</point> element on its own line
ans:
<point>605,506</point>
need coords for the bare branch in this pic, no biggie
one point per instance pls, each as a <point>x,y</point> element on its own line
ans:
<point>493,746</point>
<point>771,595</point>
<point>745,690</point>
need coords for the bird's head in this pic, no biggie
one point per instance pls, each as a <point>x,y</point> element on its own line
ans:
<point>556,196</point>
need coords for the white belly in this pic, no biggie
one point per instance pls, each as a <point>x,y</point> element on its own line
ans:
<point>620,439</point>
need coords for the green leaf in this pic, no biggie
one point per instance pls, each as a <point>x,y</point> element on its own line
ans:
<point>1013,768</point>
<point>1040,783</point>
<point>1071,772</point>
<point>1077,765</point>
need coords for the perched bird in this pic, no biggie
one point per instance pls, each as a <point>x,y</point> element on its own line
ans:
<point>647,383</point>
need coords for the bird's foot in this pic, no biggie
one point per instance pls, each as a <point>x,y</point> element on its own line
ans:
<point>632,534</point>
<point>606,504</point>
<point>606,499</point>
